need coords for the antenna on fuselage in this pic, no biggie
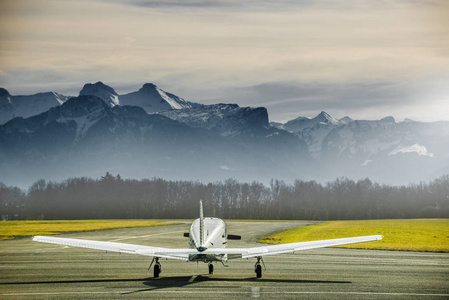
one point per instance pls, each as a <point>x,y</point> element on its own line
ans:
<point>201,224</point>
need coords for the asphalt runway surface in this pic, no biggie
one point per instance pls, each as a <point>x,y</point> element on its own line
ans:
<point>31,270</point>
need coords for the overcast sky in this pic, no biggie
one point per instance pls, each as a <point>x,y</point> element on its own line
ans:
<point>364,58</point>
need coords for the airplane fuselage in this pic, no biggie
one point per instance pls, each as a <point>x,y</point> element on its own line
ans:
<point>210,234</point>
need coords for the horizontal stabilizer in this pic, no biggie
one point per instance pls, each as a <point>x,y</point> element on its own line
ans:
<point>234,237</point>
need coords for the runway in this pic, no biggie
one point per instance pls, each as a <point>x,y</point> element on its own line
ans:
<point>30,270</point>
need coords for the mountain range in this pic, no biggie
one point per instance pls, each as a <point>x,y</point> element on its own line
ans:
<point>383,150</point>
<point>153,133</point>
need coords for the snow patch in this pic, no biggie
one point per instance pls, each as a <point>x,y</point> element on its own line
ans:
<point>416,148</point>
<point>273,134</point>
<point>83,124</point>
<point>172,102</point>
<point>114,100</point>
<point>60,98</point>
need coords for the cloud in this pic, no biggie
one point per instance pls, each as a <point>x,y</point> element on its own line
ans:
<point>285,5</point>
<point>187,3</point>
<point>424,100</point>
<point>294,57</point>
<point>253,5</point>
<point>226,168</point>
<point>330,94</point>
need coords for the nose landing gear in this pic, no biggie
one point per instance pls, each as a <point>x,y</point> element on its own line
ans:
<point>258,270</point>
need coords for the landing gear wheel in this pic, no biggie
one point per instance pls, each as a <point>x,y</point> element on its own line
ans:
<point>211,269</point>
<point>157,270</point>
<point>258,270</point>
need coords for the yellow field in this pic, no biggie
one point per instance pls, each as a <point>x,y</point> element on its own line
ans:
<point>19,229</point>
<point>428,235</point>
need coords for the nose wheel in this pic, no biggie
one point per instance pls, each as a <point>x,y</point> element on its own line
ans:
<point>258,270</point>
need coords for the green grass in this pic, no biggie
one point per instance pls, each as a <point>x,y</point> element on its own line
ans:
<point>20,229</point>
<point>427,235</point>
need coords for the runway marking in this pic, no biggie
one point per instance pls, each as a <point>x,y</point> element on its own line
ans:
<point>255,292</point>
<point>230,292</point>
<point>142,236</point>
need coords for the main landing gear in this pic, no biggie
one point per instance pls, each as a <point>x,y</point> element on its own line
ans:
<point>258,267</point>
<point>157,270</point>
<point>211,268</point>
<point>157,267</point>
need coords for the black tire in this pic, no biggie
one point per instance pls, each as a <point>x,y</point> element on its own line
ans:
<point>211,269</point>
<point>157,270</point>
<point>258,271</point>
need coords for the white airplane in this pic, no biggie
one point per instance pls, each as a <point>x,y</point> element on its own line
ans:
<point>207,241</point>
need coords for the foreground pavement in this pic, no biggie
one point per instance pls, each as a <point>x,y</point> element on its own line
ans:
<point>32,270</point>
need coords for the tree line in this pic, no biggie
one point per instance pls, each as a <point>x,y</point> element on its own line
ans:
<point>111,197</point>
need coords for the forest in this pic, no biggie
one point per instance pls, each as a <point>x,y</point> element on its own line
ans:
<point>112,197</point>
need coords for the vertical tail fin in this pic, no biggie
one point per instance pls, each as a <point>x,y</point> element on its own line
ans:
<point>201,223</point>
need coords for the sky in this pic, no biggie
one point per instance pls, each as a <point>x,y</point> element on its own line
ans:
<point>363,58</point>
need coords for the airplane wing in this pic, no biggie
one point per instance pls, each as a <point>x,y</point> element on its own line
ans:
<point>183,254</point>
<point>291,247</point>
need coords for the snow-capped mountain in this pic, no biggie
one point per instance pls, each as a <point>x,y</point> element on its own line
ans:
<point>370,138</point>
<point>248,130</point>
<point>300,123</point>
<point>383,150</point>
<point>225,119</point>
<point>345,120</point>
<point>313,130</point>
<point>27,106</point>
<point>87,137</point>
<point>150,97</point>
<point>102,91</point>
<point>153,99</point>
<point>402,152</point>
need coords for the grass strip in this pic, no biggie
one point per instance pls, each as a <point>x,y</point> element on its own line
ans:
<point>20,229</point>
<point>426,235</point>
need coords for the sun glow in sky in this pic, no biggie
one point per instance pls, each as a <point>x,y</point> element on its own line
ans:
<point>365,59</point>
